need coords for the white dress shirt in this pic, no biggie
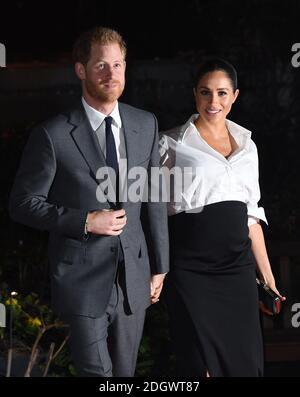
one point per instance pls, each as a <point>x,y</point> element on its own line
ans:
<point>97,122</point>
<point>213,178</point>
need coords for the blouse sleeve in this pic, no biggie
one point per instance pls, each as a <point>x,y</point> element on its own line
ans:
<point>255,213</point>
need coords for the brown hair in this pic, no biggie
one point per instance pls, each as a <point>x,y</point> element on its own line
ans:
<point>99,35</point>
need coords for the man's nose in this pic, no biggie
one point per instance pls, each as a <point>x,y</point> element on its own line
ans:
<point>109,71</point>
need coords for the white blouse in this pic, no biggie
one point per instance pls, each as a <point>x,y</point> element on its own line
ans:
<point>203,176</point>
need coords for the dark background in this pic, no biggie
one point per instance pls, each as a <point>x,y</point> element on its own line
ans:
<point>165,41</point>
<point>251,29</point>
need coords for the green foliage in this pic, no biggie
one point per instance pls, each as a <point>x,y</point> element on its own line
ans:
<point>31,327</point>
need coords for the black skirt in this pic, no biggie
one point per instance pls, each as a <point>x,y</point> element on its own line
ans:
<point>212,294</point>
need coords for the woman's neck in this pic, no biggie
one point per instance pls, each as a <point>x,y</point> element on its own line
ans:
<point>215,130</point>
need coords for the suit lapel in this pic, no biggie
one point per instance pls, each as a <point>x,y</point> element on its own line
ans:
<point>134,146</point>
<point>86,140</point>
<point>131,140</point>
<point>130,136</point>
<point>88,144</point>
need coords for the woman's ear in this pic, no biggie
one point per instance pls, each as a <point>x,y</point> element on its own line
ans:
<point>236,94</point>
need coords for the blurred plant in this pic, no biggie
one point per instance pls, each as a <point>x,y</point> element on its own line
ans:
<point>34,330</point>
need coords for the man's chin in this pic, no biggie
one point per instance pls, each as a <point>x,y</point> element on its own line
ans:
<point>111,96</point>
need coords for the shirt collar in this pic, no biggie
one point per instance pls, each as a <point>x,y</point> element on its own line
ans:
<point>240,134</point>
<point>188,128</point>
<point>96,118</point>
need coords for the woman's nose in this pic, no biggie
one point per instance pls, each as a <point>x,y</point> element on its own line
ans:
<point>213,98</point>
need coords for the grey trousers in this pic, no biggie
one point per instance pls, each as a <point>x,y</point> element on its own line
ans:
<point>107,346</point>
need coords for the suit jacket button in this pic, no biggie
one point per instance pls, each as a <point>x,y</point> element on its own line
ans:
<point>113,249</point>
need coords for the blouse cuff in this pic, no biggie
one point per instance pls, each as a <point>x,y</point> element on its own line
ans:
<point>252,220</point>
<point>163,150</point>
<point>257,212</point>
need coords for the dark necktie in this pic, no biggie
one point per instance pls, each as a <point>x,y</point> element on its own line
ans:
<point>111,152</point>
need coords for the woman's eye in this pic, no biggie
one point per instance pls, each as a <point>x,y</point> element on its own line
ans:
<point>204,92</point>
<point>222,93</point>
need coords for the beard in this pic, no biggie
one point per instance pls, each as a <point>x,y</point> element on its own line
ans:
<point>98,91</point>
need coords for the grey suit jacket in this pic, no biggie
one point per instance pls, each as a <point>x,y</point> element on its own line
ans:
<point>54,189</point>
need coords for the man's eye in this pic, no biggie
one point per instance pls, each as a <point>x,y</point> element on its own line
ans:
<point>117,65</point>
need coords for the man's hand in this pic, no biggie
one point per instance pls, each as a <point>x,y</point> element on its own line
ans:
<point>157,281</point>
<point>109,223</point>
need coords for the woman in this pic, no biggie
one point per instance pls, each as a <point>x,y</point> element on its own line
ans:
<point>215,234</point>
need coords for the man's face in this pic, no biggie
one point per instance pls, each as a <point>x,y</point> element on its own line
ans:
<point>103,77</point>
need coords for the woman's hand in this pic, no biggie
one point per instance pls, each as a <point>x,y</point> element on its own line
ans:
<point>157,281</point>
<point>271,284</point>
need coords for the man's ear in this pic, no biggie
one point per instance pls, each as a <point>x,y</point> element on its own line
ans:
<point>80,70</point>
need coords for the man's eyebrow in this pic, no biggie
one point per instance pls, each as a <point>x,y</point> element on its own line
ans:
<point>102,60</point>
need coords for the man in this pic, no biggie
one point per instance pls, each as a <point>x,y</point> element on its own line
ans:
<point>100,270</point>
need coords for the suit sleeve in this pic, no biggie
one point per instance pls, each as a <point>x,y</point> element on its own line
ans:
<point>158,218</point>
<point>29,202</point>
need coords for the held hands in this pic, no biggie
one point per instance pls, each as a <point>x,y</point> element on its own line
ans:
<point>156,284</point>
<point>109,223</point>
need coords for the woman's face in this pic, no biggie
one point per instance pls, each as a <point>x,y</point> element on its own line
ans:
<point>214,96</point>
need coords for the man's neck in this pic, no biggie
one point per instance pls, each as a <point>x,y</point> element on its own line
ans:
<point>103,107</point>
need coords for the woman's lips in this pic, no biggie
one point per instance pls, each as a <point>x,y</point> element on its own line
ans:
<point>212,112</point>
